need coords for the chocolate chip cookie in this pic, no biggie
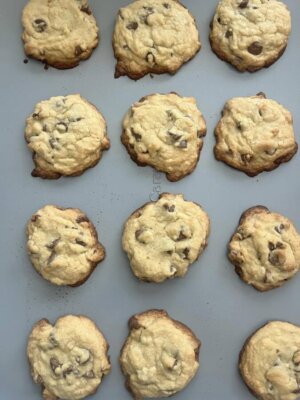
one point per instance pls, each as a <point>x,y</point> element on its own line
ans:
<point>163,238</point>
<point>160,356</point>
<point>265,249</point>
<point>166,132</point>
<point>255,134</point>
<point>67,135</point>
<point>250,34</point>
<point>60,33</point>
<point>63,245</point>
<point>69,359</point>
<point>154,36</point>
<point>270,362</point>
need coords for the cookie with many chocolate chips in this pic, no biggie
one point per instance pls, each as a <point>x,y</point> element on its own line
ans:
<point>154,36</point>
<point>163,238</point>
<point>255,134</point>
<point>265,249</point>
<point>69,359</point>
<point>250,34</point>
<point>63,245</point>
<point>270,362</point>
<point>160,356</point>
<point>60,33</point>
<point>67,135</point>
<point>166,132</point>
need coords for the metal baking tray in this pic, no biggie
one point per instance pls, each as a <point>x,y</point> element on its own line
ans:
<point>211,299</point>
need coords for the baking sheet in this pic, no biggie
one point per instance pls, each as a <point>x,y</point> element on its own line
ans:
<point>211,299</point>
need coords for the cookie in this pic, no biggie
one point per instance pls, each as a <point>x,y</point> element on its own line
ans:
<point>63,245</point>
<point>265,249</point>
<point>163,238</point>
<point>250,34</point>
<point>166,132</point>
<point>69,359</point>
<point>59,33</point>
<point>66,135</point>
<point>160,356</point>
<point>255,134</point>
<point>154,36</point>
<point>270,362</point>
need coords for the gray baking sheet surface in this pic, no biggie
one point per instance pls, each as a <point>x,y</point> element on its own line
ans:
<point>211,299</point>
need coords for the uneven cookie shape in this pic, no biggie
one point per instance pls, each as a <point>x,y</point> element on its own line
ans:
<point>154,36</point>
<point>166,132</point>
<point>60,33</point>
<point>67,135</point>
<point>255,134</point>
<point>265,249</point>
<point>270,362</point>
<point>250,34</point>
<point>69,359</point>
<point>63,245</point>
<point>163,238</point>
<point>160,356</point>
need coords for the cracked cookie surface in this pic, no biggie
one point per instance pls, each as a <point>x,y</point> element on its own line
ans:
<point>154,36</point>
<point>160,356</point>
<point>255,134</point>
<point>270,362</point>
<point>166,132</point>
<point>265,249</point>
<point>67,135</point>
<point>69,359</point>
<point>60,33</point>
<point>163,238</point>
<point>63,245</point>
<point>250,34</point>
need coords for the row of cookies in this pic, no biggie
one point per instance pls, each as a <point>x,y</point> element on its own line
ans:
<point>157,36</point>
<point>68,135</point>
<point>158,359</point>
<point>162,239</point>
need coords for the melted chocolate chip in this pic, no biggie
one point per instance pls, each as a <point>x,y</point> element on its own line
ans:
<point>174,136</point>
<point>78,51</point>
<point>271,246</point>
<point>183,144</point>
<point>82,218</point>
<point>244,4</point>
<point>228,33</point>
<point>132,26</point>
<point>39,25</point>
<point>68,371</point>
<point>149,11</point>
<point>169,207</point>
<point>255,48</point>
<point>89,375</point>
<point>62,127</point>
<point>181,236</point>
<point>275,259</point>
<point>279,228</point>
<point>35,115</point>
<point>54,364</point>
<point>185,253</point>
<point>246,158</point>
<point>136,135</point>
<point>80,242</point>
<point>35,217</point>
<point>86,10</point>
<point>150,58</point>
<point>52,245</point>
<point>166,5</point>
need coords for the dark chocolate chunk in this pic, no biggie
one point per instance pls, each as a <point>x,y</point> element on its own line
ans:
<point>132,26</point>
<point>39,25</point>
<point>255,48</point>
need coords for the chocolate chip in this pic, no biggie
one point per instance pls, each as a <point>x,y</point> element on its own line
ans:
<point>136,135</point>
<point>280,245</point>
<point>52,143</point>
<point>35,217</point>
<point>200,134</point>
<point>174,136</point>
<point>54,364</point>
<point>185,253</point>
<point>86,10</point>
<point>78,51</point>
<point>261,94</point>
<point>170,252</point>
<point>181,236</point>
<point>81,218</point>
<point>149,11</point>
<point>239,126</point>
<point>170,115</point>
<point>39,25</point>
<point>150,58</point>
<point>138,233</point>
<point>246,158</point>
<point>35,115</point>
<point>68,371</point>
<point>132,26</point>
<point>52,245</point>
<point>228,33</point>
<point>279,228</point>
<point>271,246</point>
<point>85,360</point>
<point>89,375</point>
<point>80,242</point>
<point>168,207</point>
<point>166,5</point>
<point>276,258</point>
<point>52,257</point>
<point>243,4</point>
<point>183,144</point>
<point>134,323</point>
<point>62,127</point>
<point>255,48</point>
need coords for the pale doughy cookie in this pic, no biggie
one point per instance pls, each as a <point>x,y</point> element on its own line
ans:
<point>69,359</point>
<point>255,134</point>
<point>160,356</point>
<point>166,132</point>
<point>60,33</point>
<point>67,135</point>
<point>163,238</point>
<point>63,245</point>
<point>154,36</point>
<point>265,249</point>
<point>250,34</point>
<point>270,362</point>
